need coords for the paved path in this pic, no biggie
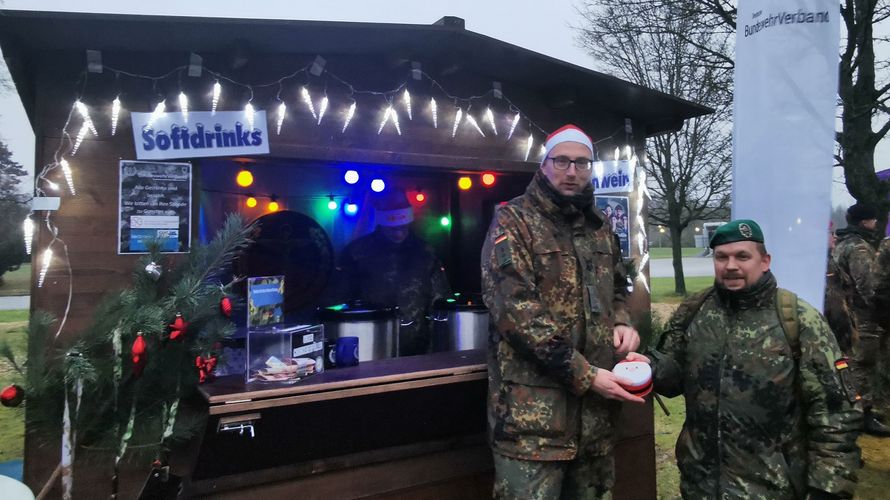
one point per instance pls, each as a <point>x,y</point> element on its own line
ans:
<point>692,266</point>
<point>15,303</point>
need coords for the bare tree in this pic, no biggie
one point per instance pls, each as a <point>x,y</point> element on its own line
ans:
<point>864,88</point>
<point>689,171</point>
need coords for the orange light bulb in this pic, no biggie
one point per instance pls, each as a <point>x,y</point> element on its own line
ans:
<point>488,179</point>
<point>251,202</point>
<point>273,206</point>
<point>420,197</point>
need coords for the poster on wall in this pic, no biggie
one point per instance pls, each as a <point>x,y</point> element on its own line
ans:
<point>617,216</point>
<point>155,205</point>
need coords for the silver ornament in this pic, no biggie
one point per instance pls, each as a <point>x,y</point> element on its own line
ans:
<point>153,270</point>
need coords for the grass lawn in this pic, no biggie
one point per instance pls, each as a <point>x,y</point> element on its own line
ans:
<point>666,252</point>
<point>13,329</point>
<point>663,288</point>
<point>17,282</point>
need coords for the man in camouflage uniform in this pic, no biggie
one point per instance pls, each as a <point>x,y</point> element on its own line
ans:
<point>393,267</point>
<point>882,286</point>
<point>838,315</point>
<point>553,281</point>
<point>770,413</point>
<point>855,258</point>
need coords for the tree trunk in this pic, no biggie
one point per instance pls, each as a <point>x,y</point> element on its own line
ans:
<point>677,252</point>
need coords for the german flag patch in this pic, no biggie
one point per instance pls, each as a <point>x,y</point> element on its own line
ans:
<point>841,364</point>
<point>842,367</point>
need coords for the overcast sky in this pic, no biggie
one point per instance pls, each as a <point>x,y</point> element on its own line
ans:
<point>539,25</point>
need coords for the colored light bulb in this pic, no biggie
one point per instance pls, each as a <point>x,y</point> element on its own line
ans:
<point>244,178</point>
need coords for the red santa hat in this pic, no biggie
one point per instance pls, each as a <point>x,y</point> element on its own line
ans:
<point>391,208</point>
<point>566,133</point>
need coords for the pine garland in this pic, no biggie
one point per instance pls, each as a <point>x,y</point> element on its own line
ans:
<point>121,405</point>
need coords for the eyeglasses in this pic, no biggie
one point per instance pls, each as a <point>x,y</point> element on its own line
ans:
<point>563,162</point>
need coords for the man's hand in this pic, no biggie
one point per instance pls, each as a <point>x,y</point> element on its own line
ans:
<point>635,356</point>
<point>626,338</point>
<point>606,385</point>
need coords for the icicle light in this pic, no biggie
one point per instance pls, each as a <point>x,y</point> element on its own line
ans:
<point>115,113</point>
<point>85,113</point>
<point>489,117</point>
<point>617,153</point>
<point>475,124</point>
<point>249,113</point>
<point>322,109</point>
<point>80,135</point>
<point>217,91</point>
<point>385,119</point>
<point>160,108</point>
<point>407,98</point>
<point>349,114</point>
<point>52,185</point>
<point>395,121</point>
<point>307,98</point>
<point>435,110</point>
<point>457,116</point>
<point>28,229</point>
<point>282,111</point>
<point>184,106</point>
<point>44,267</point>
<point>627,152</point>
<point>528,145</point>
<point>66,170</point>
<point>513,126</point>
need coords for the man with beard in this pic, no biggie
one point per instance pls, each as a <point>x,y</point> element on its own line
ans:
<point>854,255</point>
<point>770,411</point>
<point>555,286</point>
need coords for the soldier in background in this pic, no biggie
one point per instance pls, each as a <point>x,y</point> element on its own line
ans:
<point>882,287</point>
<point>836,311</point>
<point>770,411</point>
<point>555,286</point>
<point>854,256</point>
<point>393,267</point>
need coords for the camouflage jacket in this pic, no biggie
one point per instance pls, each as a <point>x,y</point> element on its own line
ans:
<point>882,285</point>
<point>837,313</point>
<point>854,255</point>
<point>759,424</point>
<point>406,274</point>
<point>554,284</point>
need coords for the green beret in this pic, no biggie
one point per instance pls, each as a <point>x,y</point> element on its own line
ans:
<point>737,230</point>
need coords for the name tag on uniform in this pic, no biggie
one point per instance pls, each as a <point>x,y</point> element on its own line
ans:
<point>502,252</point>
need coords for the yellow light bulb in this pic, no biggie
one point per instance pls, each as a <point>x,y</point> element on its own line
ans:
<point>273,206</point>
<point>244,178</point>
<point>251,202</point>
<point>465,183</point>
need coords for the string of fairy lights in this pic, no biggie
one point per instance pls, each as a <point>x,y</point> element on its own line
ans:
<point>491,114</point>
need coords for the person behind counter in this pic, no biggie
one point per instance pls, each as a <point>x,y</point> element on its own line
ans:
<point>392,266</point>
<point>554,283</point>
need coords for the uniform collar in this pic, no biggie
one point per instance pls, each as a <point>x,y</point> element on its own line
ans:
<point>759,294</point>
<point>561,207</point>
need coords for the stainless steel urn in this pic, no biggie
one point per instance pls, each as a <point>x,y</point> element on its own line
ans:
<point>376,327</point>
<point>460,322</point>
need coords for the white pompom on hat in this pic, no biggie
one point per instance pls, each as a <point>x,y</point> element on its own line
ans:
<point>391,208</point>
<point>566,133</point>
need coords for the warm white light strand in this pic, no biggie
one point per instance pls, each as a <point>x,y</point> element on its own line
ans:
<point>349,114</point>
<point>322,108</point>
<point>47,259</point>
<point>217,92</point>
<point>528,145</point>
<point>457,116</point>
<point>407,98</point>
<point>66,170</point>
<point>115,113</point>
<point>475,125</point>
<point>489,116</point>
<point>542,151</point>
<point>282,112</point>
<point>435,110</point>
<point>159,110</point>
<point>28,230</point>
<point>184,106</point>
<point>307,98</point>
<point>513,126</point>
<point>385,119</point>
<point>80,135</point>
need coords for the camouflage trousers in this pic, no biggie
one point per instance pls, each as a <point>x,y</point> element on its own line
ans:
<point>582,478</point>
<point>866,350</point>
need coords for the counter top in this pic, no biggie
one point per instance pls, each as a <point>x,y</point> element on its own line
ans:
<point>231,394</point>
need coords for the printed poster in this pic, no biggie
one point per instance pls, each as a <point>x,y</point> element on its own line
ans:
<point>155,205</point>
<point>265,301</point>
<point>618,217</point>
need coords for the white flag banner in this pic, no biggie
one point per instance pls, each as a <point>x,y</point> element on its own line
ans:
<point>786,76</point>
<point>613,176</point>
<point>164,136</point>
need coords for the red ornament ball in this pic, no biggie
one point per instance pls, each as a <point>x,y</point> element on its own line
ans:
<point>138,354</point>
<point>12,396</point>
<point>177,329</point>
<point>225,306</point>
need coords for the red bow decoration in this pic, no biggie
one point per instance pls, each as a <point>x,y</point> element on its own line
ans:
<point>205,368</point>
<point>177,329</point>
<point>137,353</point>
